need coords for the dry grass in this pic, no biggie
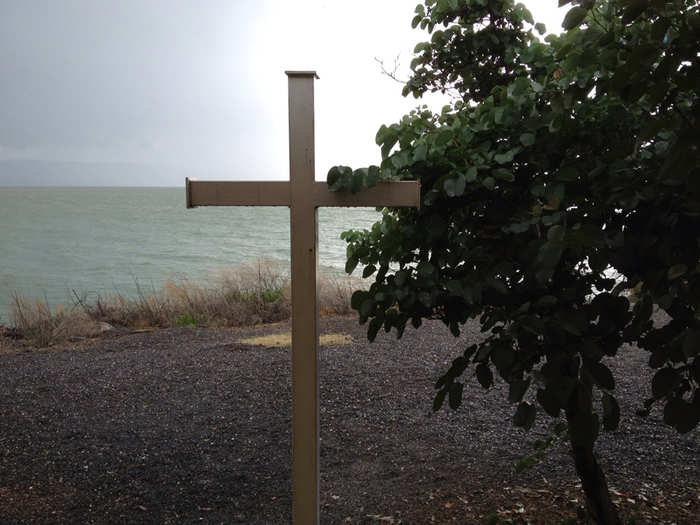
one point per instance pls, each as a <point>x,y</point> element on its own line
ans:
<point>248,295</point>
<point>335,292</point>
<point>284,340</point>
<point>42,326</point>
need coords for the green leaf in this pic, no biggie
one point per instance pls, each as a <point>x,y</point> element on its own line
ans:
<point>549,256</point>
<point>483,354</point>
<point>611,412</point>
<point>507,156</point>
<point>351,264</point>
<point>484,375</point>
<point>574,17</point>
<point>454,186</point>
<point>525,415</point>
<point>374,325</point>
<point>445,136</point>
<point>498,115</point>
<point>517,389</point>
<point>549,401</point>
<point>556,233</point>
<point>387,139</point>
<point>455,288</point>
<point>590,350</point>
<point>419,48</point>
<point>602,375</point>
<point>426,300</point>
<point>430,197</point>
<point>470,175</point>
<point>665,380</point>
<point>337,177</point>
<point>540,27</point>
<point>527,139</point>
<point>456,395</point>
<point>503,158</point>
<point>682,415</point>
<point>357,180</point>
<point>420,153</point>
<point>401,277</point>
<point>674,272</point>
<point>691,346</point>
<point>633,11</point>
<point>373,177</point>
<point>425,269</point>
<point>502,174</point>
<point>546,302</point>
<point>568,174</point>
<point>660,28</point>
<point>369,270</point>
<point>554,195</point>
<point>503,357</point>
<point>357,298</point>
<point>439,400</point>
<point>366,307</point>
<point>333,176</point>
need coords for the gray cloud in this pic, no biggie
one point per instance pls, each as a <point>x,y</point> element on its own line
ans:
<point>152,81</point>
<point>197,87</point>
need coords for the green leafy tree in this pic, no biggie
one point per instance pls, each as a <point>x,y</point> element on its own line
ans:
<point>565,172</point>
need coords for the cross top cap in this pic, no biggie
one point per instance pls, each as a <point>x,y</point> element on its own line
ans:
<point>302,74</point>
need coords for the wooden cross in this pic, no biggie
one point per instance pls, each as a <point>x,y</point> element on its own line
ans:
<point>303,195</point>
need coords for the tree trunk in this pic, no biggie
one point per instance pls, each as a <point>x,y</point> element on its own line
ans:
<point>595,487</point>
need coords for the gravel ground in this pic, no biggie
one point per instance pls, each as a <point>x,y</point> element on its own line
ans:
<point>189,425</point>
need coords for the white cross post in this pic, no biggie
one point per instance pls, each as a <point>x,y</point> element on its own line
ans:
<point>303,195</point>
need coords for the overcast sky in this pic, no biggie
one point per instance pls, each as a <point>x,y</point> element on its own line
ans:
<point>200,85</point>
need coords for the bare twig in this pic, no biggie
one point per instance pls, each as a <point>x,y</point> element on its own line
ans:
<point>392,74</point>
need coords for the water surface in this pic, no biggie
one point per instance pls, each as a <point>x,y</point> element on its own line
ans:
<point>101,241</point>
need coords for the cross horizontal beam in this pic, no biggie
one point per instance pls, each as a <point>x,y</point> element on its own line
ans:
<point>278,193</point>
<point>237,193</point>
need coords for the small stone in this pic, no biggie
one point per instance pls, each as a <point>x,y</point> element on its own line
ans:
<point>105,327</point>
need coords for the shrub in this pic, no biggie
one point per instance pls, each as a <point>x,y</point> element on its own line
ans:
<point>188,319</point>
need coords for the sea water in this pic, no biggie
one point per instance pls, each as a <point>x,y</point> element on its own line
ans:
<point>108,241</point>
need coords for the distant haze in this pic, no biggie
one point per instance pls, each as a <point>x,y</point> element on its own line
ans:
<point>30,173</point>
<point>146,93</point>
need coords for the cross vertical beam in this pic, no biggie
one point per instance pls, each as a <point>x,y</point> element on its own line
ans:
<point>304,254</point>
<point>303,196</point>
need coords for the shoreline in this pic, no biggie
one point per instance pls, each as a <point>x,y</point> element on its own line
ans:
<point>250,295</point>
